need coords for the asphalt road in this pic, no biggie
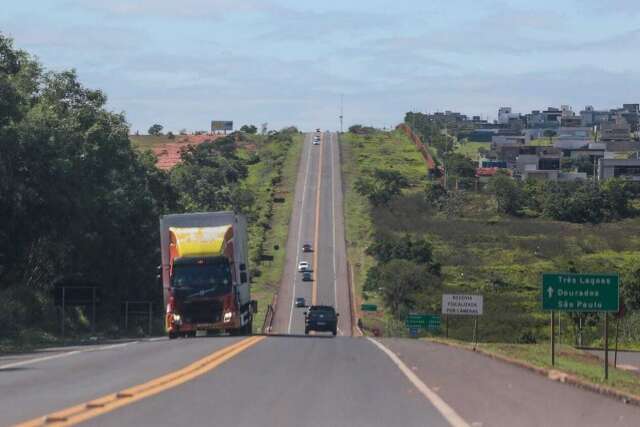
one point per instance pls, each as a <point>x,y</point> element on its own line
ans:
<point>317,219</point>
<point>629,360</point>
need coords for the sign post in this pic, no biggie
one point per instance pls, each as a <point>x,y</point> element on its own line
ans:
<point>553,338</point>
<point>606,346</point>
<point>463,305</point>
<point>422,321</point>
<point>597,292</point>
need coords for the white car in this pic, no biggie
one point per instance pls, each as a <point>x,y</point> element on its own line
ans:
<point>316,142</point>
<point>304,266</point>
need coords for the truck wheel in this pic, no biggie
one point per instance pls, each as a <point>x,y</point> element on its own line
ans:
<point>334,332</point>
<point>173,335</point>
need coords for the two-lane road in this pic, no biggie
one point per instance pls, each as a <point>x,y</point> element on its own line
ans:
<point>317,218</point>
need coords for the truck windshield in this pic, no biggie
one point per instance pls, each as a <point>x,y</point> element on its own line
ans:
<point>214,277</point>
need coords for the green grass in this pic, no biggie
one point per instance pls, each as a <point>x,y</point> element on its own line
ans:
<point>267,283</point>
<point>470,148</point>
<point>361,155</point>
<point>540,142</point>
<point>581,364</point>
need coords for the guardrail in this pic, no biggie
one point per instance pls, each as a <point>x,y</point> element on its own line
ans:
<point>268,318</point>
<point>355,327</point>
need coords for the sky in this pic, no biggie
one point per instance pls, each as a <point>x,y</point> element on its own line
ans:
<point>183,63</point>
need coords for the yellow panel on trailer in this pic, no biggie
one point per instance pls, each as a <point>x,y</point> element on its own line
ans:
<point>199,241</point>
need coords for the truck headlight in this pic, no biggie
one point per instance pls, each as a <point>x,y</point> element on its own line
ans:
<point>227,316</point>
<point>177,319</point>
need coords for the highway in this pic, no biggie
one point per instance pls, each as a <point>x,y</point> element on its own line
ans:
<point>287,378</point>
<point>317,219</point>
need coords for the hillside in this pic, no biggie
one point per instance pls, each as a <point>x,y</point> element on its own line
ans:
<point>480,251</point>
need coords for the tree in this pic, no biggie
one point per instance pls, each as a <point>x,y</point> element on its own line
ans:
<point>62,152</point>
<point>250,129</point>
<point>508,194</point>
<point>401,282</point>
<point>388,247</point>
<point>550,133</point>
<point>208,178</point>
<point>382,186</point>
<point>156,130</point>
<point>459,165</point>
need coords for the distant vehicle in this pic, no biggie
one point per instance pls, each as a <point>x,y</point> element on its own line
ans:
<point>318,130</point>
<point>300,302</point>
<point>304,266</point>
<point>321,318</point>
<point>307,247</point>
<point>316,142</point>
<point>306,276</point>
<point>205,276</point>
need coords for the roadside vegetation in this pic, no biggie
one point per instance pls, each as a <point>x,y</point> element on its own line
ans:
<point>493,239</point>
<point>80,204</point>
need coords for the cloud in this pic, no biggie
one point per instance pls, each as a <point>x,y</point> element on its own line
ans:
<point>179,9</point>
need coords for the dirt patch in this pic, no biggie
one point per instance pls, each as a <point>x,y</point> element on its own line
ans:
<point>169,154</point>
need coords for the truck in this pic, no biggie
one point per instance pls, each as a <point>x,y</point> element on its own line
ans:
<point>205,274</point>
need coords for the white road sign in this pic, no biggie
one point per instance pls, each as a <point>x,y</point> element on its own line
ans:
<point>464,305</point>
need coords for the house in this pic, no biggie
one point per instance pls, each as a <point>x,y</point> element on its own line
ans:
<point>508,139</point>
<point>552,117</point>
<point>619,168</point>
<point>505,114</point>
<point>591,117</point>
<point>615,130</point>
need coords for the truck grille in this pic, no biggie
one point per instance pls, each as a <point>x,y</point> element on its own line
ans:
<point>202,311</point>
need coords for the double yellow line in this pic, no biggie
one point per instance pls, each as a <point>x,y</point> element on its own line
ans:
<point>91,409</point>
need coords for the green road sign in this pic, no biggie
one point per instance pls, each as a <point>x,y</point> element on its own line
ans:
<point>424,321</point>
<point>368,307</point>
<point>580,292</point>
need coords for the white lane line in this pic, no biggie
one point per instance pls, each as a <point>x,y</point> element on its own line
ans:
<point>156,339</point>
<point>61,355</point>
<point>333,219</point>
<point>445,410</point>
<point>301,214</point>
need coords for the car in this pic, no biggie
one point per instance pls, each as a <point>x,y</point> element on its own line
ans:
<point>300,302</point>
<point>304,266</point>
<point>307,247</point>
<point>318,130</point>
<point>307,277</point>
<point>321,318</point>
<point>316,142</point>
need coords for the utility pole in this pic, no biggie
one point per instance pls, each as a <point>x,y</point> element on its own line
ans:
<point>341,111</point>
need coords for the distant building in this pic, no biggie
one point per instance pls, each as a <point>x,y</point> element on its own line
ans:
<point>591,117</point>
<point>619,168</point>
<point>552,116</point>
<point>505,114</point>
<point>615,130</point>
<point>508,139</point>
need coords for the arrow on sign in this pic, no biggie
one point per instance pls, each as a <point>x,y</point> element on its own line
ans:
<point>550,291</point>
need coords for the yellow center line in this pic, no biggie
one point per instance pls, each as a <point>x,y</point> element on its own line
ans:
<point>91,409</point>
<point>314,286</point>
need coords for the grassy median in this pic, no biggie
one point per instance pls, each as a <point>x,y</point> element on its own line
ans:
<point>270,232</point>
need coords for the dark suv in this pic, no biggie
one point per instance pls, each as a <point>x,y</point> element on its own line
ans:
<point>321,318</point>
